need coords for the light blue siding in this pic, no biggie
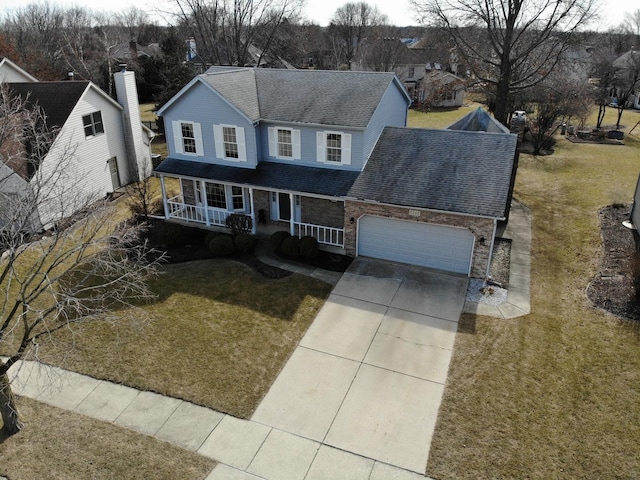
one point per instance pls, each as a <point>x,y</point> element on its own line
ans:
<point>391,111</point>
<point>202,105</point>
<point>308,146</point>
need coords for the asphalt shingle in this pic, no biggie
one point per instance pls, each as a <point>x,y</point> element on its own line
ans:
<point>270,175</point>
<point>447,170</point>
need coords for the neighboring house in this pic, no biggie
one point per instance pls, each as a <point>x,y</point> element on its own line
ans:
<point>100,144</point>
<point>627,67</point>
<point>328,154</point>
<point>10,72</point>
<point>132,50</point>
<point>424,83</point>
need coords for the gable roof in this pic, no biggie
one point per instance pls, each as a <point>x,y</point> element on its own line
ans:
<point>451,171</point>
<point>320,97</point>
<point>6,64</point>
<point>57,99</point>
<point>479,121</point>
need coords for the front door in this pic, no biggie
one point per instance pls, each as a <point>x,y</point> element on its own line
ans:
<point>113,171</point>
<point>281,207</point>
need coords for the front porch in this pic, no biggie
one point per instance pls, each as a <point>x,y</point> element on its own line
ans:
<point>209,204</point>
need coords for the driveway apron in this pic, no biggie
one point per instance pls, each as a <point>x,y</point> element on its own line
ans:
<point>369,374</point>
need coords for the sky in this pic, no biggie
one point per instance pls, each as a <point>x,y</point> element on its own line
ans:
<point>320,11</point>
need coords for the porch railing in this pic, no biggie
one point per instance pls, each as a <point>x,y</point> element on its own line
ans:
<point>195,213</point>
<point>191,213</point>
<point>325,235</point>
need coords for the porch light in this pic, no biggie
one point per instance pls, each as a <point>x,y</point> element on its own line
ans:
<point>352,220</point>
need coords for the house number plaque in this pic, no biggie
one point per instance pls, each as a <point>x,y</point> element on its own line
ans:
<point>414,213</point>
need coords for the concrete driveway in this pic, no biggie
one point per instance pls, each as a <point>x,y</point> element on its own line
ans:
<point>368,376</point>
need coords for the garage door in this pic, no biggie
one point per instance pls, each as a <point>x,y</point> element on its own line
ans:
<point>424,244</point>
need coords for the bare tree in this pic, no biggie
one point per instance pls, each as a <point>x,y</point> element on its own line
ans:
<point>631,22</point>
<point>383,49</point>
<point>349,26</point>
<point>80,272</point>
<point>521,41</point>
<point>226,29</point>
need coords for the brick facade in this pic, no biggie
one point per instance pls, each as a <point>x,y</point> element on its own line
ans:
<point>479,227</point>
<point>322,212</point>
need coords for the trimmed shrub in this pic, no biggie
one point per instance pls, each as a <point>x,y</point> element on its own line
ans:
<point>291,246</point>
<point>277,238</point>
<point>222,245</point>
<point>173,234</point>
<point>309,247</point>
<point>239,223</point>
<point>210,236</point>
<point>245,243</point>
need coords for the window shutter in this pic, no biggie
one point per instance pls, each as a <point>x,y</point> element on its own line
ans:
<point>321,147</point>
<point>295,142</point>
<point>346,149</point>
<point>219,141</point>
<point>273,142</point>
<point>197,134</point>
<point>242,146</point>
<point>177,136</point>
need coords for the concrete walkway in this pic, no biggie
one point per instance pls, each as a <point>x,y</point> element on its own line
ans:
<point>518,303</point>
<point>358,398</point>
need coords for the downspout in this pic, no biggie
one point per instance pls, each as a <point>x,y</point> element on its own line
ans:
<point>493,240</point>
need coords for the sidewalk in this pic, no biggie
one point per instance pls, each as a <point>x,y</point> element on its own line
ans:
<point>518,303</point>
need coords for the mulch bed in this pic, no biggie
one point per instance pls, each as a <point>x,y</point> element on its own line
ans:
<point>194,248</point>
<point>616,287</point>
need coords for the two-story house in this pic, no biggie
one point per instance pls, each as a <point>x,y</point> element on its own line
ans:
<point>99,146</point>
<point>328,154</point>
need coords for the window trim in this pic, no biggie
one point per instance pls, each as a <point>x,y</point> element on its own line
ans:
<point>274,144</point>
<point>218,136</point>
<point>323,149</point>
<point>93,123</point>
<point>178,139</point>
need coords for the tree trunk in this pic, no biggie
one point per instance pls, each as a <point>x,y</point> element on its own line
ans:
<point>8,408</point>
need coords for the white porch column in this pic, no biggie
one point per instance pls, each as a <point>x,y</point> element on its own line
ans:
<point>164,197</point>
<point>203,192</point>
<point>252,212</point>
<point>292,207</point>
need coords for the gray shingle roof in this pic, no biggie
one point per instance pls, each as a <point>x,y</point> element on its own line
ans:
<point>478,121</point>
<point>279,176</point>
<point>447,170</point>
<point>57,99</point>
<point>307,96</point>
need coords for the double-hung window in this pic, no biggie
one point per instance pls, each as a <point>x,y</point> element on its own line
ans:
<point>92,124</point>
<point>334,148</point>
<point>284,143</point>
<point>216,195</point>
<point>237,198</point>
<point>285,147</point>
<point>230,142</point>
<point>187,138</point>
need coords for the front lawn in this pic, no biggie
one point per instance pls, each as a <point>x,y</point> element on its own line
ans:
<point>554,394</point>
<point>60,444</point>
<point>218,335</point>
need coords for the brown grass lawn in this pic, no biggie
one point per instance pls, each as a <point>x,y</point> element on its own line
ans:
<point>57,444</point>
<point>218,335</point>
<point>555,394</point>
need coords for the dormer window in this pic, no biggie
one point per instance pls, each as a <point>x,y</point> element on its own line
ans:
<point>412,72</point>
<point>92,124</point>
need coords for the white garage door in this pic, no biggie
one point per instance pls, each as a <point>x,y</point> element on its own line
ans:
<point>424,244</point>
